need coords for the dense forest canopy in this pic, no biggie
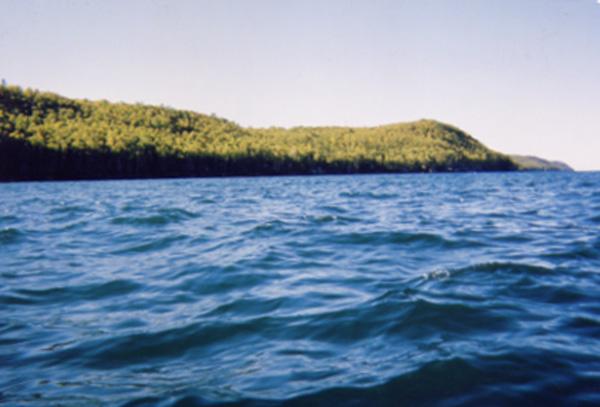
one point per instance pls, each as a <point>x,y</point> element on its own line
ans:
<point>46,136</point>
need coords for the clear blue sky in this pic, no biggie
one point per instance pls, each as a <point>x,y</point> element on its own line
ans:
<point>523,76</point>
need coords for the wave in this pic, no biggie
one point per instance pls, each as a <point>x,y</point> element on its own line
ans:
<point>8,218</point>
<point>369,195</point>
<point>528,377</point>
<point>269,229</point>
<point>505,267</point>
<point>10,236</point>
<point>70,210</point>
<point>317,220</point>
<point>163,217</point>
<point>88,292</point>
<point>576,251</point>
<point>153,245</point>
<point>121,351</point>
<point>400,238</point>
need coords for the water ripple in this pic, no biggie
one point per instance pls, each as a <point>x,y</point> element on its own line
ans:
<point>10,236</point>
<point>445,289</point>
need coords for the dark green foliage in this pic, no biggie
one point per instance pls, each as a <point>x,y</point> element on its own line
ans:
<point>46,136</point>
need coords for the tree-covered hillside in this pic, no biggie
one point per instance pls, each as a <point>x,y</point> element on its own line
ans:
<point>46,136</point>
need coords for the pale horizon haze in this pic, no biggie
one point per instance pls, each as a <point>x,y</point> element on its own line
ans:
<point>523,77</point>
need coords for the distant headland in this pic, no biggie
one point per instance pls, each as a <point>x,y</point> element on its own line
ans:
<point>44,136</point>
<point>528,162</point>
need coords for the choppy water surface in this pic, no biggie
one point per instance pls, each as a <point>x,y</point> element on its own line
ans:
<point>454,289</point>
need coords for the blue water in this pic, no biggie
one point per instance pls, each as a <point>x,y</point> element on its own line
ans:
<point>476,289</point>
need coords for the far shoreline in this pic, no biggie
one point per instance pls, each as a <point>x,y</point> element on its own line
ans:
<point>237,176</point>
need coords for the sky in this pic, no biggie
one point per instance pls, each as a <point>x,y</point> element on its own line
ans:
<point>522,76</point>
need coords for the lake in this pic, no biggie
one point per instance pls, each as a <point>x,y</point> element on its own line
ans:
<point>422,289</point>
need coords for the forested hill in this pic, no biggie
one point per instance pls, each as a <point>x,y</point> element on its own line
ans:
<point>45,136</point>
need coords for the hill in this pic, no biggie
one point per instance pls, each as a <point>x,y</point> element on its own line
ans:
<point>45,136</point>
<point>531,163</point>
